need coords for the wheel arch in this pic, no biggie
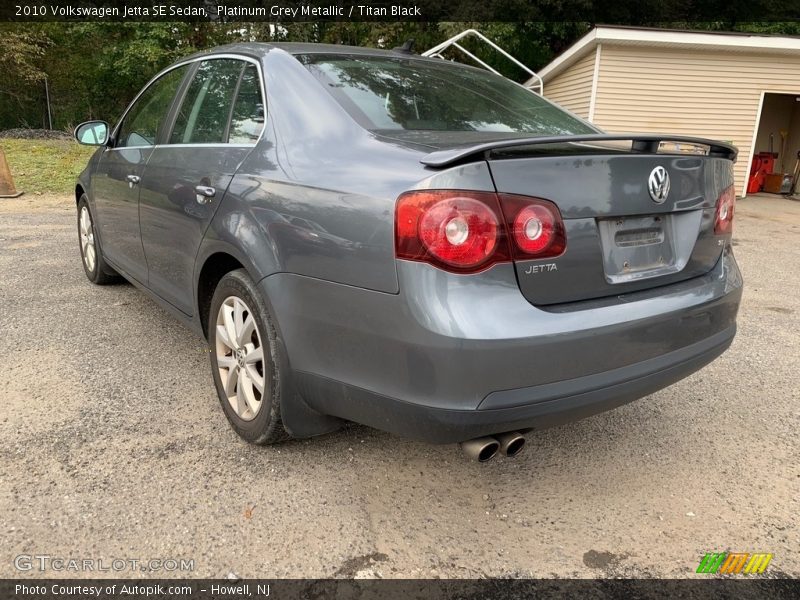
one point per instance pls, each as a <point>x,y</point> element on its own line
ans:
<point>215,266</point>
<point>298,418</point>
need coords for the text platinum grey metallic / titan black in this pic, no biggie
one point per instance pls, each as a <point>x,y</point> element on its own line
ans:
<point>411,244</point>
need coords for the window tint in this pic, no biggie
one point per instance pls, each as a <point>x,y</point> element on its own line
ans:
<point>147,115</point>
<point>247,119</point>
<point>203,116</point>
<point>396,94</point>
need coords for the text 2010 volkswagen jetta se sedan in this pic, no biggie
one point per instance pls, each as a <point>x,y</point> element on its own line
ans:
<point>416,245</point>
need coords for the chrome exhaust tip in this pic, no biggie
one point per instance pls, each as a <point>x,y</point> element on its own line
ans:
<point>511,443</point>
<point>481,449</point>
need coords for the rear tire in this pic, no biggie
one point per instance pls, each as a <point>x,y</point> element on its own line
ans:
<point>244,360</point>
<point>94,264</point>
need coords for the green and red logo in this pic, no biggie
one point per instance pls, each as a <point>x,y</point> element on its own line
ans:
<point>734,563</point>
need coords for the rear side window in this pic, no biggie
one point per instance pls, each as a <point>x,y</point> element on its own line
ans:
<point>247,119</point>
<point>141,125</point>
<point>387,93</point>
<point>206,107</point>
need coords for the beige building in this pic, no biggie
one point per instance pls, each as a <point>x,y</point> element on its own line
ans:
<point>740,88</point>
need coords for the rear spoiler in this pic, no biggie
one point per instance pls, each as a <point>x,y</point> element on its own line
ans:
<point>640,143</point>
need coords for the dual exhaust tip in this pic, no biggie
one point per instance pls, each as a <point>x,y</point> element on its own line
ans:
<point>486,448</point>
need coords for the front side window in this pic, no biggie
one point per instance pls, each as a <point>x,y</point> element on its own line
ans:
<point>387,93</point>
<point>141,125</point>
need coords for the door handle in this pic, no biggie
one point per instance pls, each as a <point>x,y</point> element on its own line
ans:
<point>133,180</point>
<point>204,193</point>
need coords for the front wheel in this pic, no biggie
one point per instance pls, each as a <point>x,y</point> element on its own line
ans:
<point>94,265</point>
<point>244,361</point>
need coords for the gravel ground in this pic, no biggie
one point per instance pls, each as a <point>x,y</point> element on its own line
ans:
<point>113,445</point>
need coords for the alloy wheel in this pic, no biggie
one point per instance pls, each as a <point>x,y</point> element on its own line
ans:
<point>87,239</point>
<point>240,357</point>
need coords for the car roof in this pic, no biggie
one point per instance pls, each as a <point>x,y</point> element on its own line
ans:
<point>260,49</point>
<point>308,48</point>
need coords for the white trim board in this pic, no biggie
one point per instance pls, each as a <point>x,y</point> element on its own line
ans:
<point>595,76</point>
<point>731,42</point>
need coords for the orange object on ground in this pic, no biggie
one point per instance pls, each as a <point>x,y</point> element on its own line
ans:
<point>7,189</point>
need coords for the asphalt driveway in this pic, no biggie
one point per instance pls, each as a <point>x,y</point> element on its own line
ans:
<point>113,446</point>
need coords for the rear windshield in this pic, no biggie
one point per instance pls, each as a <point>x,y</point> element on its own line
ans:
<point>386,93</point>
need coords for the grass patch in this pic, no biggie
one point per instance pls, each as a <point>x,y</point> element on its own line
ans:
<point>45,166</point>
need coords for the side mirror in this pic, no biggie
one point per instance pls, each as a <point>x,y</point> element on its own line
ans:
<point>92,133</point>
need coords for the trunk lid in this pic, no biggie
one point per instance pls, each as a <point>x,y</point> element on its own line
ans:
<point>620,237</point>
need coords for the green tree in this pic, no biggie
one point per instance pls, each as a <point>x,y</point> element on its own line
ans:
<point>22,51</point>
<point>94,69</point>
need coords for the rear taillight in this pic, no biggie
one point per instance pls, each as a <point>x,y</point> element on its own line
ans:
<point>535,225</point>
<point>466,231</point>
<point>458,231</point>
<point>723,219</point>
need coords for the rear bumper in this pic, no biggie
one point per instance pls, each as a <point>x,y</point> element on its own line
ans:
<point>525,408</point>
<point>451,357</point>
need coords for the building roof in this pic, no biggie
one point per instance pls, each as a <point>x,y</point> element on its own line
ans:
<point>733,42</point>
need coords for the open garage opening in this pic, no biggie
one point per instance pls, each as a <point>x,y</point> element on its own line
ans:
<point>775,166</point>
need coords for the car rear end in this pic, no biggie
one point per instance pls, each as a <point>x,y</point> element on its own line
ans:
<point>542,278</point>
<point>576,286</point>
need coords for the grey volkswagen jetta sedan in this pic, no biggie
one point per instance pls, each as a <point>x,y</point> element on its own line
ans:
<point>416,245</point>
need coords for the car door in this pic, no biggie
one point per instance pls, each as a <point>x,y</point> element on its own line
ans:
<point>115,181</point>
<point>215,126</point>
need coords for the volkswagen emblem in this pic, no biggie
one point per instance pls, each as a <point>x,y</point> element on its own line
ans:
<point>658,184</point>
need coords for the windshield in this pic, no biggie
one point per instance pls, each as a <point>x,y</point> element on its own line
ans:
<point>387,93</point>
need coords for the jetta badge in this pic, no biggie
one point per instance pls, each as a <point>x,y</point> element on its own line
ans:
<point>658,184</point>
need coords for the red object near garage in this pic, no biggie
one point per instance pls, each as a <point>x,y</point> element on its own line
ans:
<point>763,164</point>
<point>767,160</point>
<point>755,183</point>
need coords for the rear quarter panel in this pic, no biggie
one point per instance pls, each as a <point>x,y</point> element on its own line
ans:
<point>316,197</point>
